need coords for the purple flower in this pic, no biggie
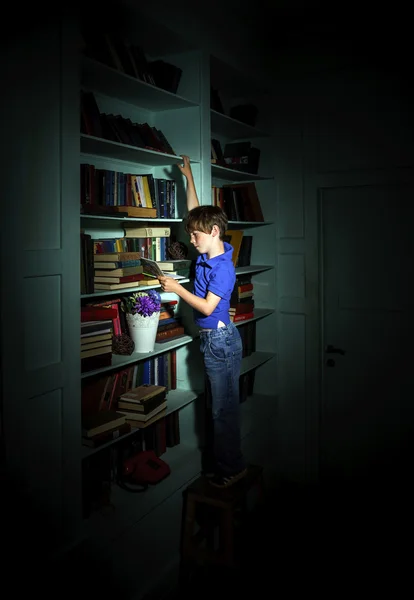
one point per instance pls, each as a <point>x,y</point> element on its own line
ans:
<point>147,303</point>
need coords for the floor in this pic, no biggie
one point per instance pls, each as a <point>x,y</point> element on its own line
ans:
<point>329,540</point>
<point>340,539</point>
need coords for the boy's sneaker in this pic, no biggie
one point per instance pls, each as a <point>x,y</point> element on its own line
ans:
<point>225,481</point>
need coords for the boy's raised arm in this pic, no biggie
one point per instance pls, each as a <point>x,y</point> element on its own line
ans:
<point>192,198</point>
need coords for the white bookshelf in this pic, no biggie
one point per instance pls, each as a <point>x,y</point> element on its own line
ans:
<point>140,288</point>
<point>49,269</point>
<point>233,129</point>
<point>120,361</point>
<point>171,113</point>
<point>88,219</point>
<point>132,154</point>
<point>176,400</point>
<point>100,78</point>
<point>226,174</point>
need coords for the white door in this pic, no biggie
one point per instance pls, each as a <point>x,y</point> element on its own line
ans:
<point>368,373</point>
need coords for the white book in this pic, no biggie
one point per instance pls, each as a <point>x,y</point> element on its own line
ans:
<point>143,232</point>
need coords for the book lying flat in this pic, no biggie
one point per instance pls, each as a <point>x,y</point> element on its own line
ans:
<point>143,392</point>
<point>174,264</point>
<point>144,232</point>
<point>101,421</point>
<point>140,417</point>
<point>143,424</point>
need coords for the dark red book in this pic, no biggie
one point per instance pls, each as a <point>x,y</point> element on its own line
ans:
<point>243,317</point>
<point>242,307</point>
<point>92,313</point>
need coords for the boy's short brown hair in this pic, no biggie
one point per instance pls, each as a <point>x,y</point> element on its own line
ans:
<point>203,218</point>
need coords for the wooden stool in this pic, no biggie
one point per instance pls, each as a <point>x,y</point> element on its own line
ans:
<point>219,510</point>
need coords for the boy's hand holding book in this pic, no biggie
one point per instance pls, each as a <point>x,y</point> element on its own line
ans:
<point>168,284</point>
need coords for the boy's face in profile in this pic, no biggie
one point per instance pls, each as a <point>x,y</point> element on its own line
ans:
<point>201,241</point>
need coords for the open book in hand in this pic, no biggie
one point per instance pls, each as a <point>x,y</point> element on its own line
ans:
<point>150,267</point>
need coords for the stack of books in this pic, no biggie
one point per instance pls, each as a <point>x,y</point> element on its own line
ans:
<point>176,266</point>
<point>242,299</point>
<point>169,325</point>
<point>143,405</point>
<point>96,343</point>
<point>117,270</point>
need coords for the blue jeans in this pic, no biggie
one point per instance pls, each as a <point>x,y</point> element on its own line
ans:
<point>222,350</point>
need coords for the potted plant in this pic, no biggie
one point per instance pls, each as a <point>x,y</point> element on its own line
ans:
<point>142,311</point>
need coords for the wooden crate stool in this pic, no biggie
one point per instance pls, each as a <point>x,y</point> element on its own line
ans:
<point>220,508</point>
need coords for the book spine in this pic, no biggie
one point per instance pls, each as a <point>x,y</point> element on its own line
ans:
<point>167,333</point>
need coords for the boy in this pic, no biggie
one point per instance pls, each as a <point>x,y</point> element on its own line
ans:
<point>221,344</point>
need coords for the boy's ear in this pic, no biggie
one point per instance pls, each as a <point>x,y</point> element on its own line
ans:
<point>215,230</point>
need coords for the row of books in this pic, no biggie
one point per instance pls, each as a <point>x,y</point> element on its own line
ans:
<point>117,52</point>
<point>138,408</point>
<point>108,188</point>
<point>151,246</point>
<point>242,246</point>
<point>101,392</point>
<point>107,401</point>
<point>103,267</point>
<point>240,201</point>
<point>116,128</point>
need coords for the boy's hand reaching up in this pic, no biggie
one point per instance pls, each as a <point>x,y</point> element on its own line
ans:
<point>186,167</point>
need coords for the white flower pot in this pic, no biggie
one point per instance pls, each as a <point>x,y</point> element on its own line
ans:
<point>143,331</point>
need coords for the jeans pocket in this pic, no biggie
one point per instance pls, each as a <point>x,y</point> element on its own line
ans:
<point>217,349</point>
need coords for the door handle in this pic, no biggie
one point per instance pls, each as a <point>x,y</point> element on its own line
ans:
<point>332,350</point>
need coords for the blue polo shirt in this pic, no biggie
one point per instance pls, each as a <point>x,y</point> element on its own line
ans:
<point>215,275</point>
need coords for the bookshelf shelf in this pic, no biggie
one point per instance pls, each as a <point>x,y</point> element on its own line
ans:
<point>119,360</point>
<point>259,313</point>
<point>219,172</point>
<point>95,219</point>
<point>140,288</point>
<point>255,360</point>
<point>253,269</point>
<point>233,129</point>
<point>176,399</point>
<point>116,150</point>
<point>243,224</point>
<point>108,81</point>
